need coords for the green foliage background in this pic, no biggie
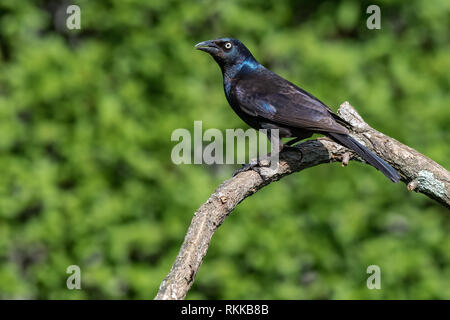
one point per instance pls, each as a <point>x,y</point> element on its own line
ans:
<point>86,176</point>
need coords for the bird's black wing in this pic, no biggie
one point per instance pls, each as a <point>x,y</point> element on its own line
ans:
<point>268,96</point>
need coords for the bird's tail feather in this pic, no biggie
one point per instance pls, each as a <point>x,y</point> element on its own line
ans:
<point>363,152</point>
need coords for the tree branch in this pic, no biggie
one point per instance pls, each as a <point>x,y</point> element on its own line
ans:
<point>420,173</point>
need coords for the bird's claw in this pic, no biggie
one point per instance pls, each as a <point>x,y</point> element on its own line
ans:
<point>246,167</point>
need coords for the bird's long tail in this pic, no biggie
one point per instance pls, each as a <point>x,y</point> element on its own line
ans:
<point>363,152</point>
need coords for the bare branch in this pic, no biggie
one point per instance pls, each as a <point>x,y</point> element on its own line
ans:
<point>420,173</point>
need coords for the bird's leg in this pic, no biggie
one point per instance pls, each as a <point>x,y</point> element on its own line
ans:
<point>248,166</point>
<point>254,163</point>
<point>290,143</point>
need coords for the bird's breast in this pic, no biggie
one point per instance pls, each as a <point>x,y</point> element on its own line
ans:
<point>230,94</point>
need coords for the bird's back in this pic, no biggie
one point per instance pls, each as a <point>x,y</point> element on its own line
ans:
<point>262,94</point>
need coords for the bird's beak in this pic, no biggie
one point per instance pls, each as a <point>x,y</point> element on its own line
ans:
<point>207,46</point>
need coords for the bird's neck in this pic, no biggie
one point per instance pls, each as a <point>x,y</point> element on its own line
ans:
<point>248,64</point>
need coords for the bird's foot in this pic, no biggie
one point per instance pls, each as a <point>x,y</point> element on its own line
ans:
<point>246,167</point>
<point>268,162</point>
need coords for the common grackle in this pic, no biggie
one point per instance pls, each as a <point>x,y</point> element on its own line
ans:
<point>264,100</point>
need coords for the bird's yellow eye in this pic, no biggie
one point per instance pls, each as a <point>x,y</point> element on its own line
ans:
<point>228,45</point>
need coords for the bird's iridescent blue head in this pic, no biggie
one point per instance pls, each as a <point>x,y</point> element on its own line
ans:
<point>227,52</point>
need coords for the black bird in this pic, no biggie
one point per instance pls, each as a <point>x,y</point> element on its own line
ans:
<point>264,100</point>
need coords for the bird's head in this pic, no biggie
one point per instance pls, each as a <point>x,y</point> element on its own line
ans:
<point>227,52</point>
